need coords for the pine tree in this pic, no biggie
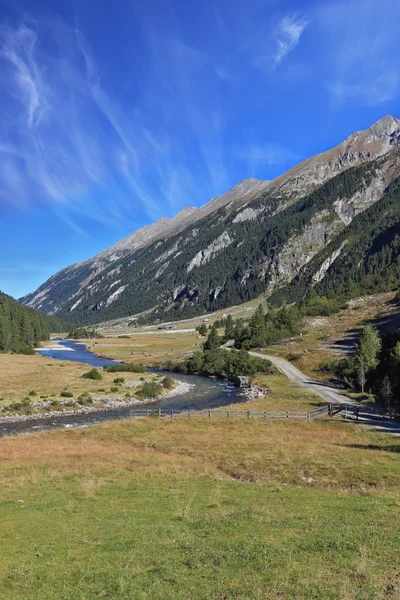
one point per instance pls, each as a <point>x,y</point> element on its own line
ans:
<point>368,347</point>
<point>257,328</point>
<point>213,341</point>
<point>3,334</point>
<point>229,328</point>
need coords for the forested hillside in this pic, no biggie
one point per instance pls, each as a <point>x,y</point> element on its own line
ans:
<point>369,256</point>
<point>331,222</point>
<point>22,328</point>
<point>227,261</point>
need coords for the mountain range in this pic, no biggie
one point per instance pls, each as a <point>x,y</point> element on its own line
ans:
<point>332,221</point>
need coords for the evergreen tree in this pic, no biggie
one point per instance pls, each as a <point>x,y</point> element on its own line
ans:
<point>22,328</point>
<point>229,328</point>
<point>368,347</point>
<point>213,341</point>
<point>257,328</point>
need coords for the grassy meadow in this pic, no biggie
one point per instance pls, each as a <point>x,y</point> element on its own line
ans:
<point>147,348</point>
<point>155,509</point>
<point>21,374</point>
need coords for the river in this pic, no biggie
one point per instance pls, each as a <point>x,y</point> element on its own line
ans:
<point>206,394</point>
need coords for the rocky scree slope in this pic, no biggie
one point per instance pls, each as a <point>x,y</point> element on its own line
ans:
<point>259,237</point>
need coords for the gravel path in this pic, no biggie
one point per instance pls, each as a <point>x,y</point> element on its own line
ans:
<point>328,393</point>
<point>367,416</point>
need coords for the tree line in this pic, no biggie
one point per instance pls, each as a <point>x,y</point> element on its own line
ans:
<point>220,362</point>
<point>23,328</point>
<point>374,367</point>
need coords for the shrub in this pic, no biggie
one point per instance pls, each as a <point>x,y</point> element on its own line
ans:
<point>114,389</point>
<point>32,393</point>
<point>66,394</point>
<point>85,399</point>
<point>292,357</point>
<point>149,389</point>
<point>27,350</point>
<point>167,382</point>
<point>119,380</point>
<point>93,374</point>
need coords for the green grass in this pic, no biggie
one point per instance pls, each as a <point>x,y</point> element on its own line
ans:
<point>198,539</point>
<point>155,510</point>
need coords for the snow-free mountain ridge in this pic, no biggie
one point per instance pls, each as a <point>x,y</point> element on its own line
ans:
<point>257,237</point>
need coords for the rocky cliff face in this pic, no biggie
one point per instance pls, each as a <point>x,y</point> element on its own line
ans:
<point>257,237</point>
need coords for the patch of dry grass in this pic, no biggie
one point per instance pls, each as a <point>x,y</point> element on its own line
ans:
<point>334,455</point>
<point>147,349</point>
<point>20,374</point>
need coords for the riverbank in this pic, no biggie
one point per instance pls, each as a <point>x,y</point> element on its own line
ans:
<point>109,404</point>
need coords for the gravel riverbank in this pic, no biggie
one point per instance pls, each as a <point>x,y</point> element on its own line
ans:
<point>109,404</point>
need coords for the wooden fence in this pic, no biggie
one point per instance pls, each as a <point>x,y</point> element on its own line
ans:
<point>317,413</point>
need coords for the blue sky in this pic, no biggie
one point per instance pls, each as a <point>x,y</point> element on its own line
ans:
<point>115,114</point>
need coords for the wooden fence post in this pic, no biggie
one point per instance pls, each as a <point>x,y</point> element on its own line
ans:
<point>248,414</point>
<point>227,414</point>
<point>330,409</point>
<point>209,414</point>
<point>172,413</point>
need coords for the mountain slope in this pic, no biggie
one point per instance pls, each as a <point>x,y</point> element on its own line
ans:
<point>259,236</point>
<point>68,283</point>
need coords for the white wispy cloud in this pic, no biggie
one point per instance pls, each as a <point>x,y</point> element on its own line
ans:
<point>360,42</point>
<point>287,36</point>
<point>82,146</point>
<point>372,92</point>
<point>70,137</point>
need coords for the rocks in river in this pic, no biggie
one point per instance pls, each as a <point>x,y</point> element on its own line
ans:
<point>254,393</point>
<point>242,382</point>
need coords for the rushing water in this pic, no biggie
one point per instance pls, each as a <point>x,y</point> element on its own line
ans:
<point>206,394</point>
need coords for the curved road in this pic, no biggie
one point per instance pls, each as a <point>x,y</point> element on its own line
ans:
<point>326,392</point>
<point>367,416</point>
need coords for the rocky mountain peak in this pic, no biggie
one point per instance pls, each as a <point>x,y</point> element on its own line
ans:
<point>385,127</point>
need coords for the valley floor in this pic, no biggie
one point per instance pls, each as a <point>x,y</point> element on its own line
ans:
<point>156,509</point>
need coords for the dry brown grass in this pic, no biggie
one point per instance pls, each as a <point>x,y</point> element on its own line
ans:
<point>21,374</point>
<point>334,455</point>
<point>147,349</point>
